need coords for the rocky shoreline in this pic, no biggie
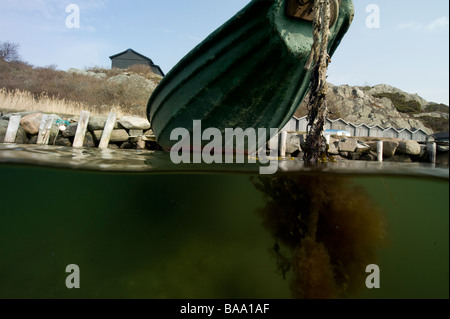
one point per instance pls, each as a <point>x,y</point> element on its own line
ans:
<point>130,132</point>
<point>134,132</point>
<point>365,149</point>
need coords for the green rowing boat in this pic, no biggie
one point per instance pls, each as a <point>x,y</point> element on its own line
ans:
<point>249,73</point>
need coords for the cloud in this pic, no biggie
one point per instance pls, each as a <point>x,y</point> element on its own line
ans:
<point>408,26</point>
<point>438,24</point>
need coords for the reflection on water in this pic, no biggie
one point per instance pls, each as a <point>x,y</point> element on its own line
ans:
<point>330,228</point>
<point>159,162</point>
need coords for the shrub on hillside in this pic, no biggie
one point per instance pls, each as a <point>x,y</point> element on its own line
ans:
<point>401,104</point>
<point>435,107</point>
<point>437,124</point>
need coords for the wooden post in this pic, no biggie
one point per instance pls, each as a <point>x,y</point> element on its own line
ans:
<point>81,129</point>
<point>283,143</point>
<point>45,129</point>
<point>380,151</point>
<point>13,127</point>
<point>107,130</point>
<point>431,148</point>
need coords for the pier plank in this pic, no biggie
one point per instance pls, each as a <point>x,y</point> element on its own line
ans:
<point>81,129</point>
<point>109,126</point>
<point>13,127</point>
<point>45,129</point>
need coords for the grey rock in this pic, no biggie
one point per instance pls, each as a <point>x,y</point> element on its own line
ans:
<point>116,135</point>
<point>98,75</point>
<point>141,145</point>
<point>133,132</point>
<point>423,151</point>
<point>63,141</point>
<point>32,139</point>
<point>399,158</point>
<point>372,145</point>
<point>97,122</point>
<point>89,140</point>
<point>21,137</point>
<point>292,143</point>
<point>127,145</point>
<point>71,130</point>
<point>113,146</point>
<point>408,147</point>
<point>369,157</point>
<point>389,148</point>
<point>347,145</point>
<point>362,148</point>
<point>4,124</point>
<point>354,156</point>
<point>134,123</point>
<point>358,93</point>
<point>333,148</point>
<point>149,132</point>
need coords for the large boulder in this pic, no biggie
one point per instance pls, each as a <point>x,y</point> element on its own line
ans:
<point>369,157</point>
<point>347,145</point>
<point>89,140</point>
<point>293,143</point>
<point>134,123</point>
<point>389,148</point>
<point>3,126</point>
<point>97,122</point>
<point>362,148</point>
<point>31,122</point>
<point>333,148</point>
<point>408,147</point>
<point>63,141</point>
<point>116,135</point>
<point>71,130</point>
<point>399,158</point>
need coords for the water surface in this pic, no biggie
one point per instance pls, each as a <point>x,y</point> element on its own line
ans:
<point>139,226</point>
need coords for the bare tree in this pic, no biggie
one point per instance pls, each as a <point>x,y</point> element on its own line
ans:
<point>9,51</point>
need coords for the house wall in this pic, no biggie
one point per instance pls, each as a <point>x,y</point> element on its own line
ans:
<point>127,59</point>
<point>419,136</point>
<point>338,125</point>
<point>376,132</point>
<point>405,134</point>
<point>363,130</point>
<point>390,133</point>
<point>156,70</point>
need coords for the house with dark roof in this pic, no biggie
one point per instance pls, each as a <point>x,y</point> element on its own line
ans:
<point>441,137</point>
<point>362,130</point>
<point>130,57</point>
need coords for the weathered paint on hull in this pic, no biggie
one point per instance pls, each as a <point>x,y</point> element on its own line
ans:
<point>249,73</point>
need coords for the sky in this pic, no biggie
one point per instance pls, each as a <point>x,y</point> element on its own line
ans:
<point>403,43</point>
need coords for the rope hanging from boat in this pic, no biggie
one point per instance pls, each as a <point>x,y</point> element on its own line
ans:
<point>316,145</point>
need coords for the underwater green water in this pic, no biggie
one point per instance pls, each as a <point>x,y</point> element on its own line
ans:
<point>218,235</point>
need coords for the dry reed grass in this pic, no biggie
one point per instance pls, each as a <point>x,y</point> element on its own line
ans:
<point>25,101</point>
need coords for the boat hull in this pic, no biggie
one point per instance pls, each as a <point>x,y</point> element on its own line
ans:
<point>249,73</point>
